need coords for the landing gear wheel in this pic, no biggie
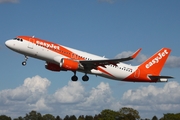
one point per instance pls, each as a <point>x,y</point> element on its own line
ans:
<point>24,63</point>
<point>85,78</point>
<point>74,78</point>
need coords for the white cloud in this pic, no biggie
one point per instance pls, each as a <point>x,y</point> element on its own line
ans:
<point>75,99</point>
<point>73,92</point>
<point>99,97</point>
<point>153,99</point>
<point>9,1</point>
<point>173,62</point>
<point>28,96</point>
<point>72,98</point>
<point>41,105</point>
<point>36,84</point>
<point>124,54</point>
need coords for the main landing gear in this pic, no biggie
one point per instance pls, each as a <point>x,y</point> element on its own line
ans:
<point>25,60</point>
<point>75,78</point>
<point>85,78</point>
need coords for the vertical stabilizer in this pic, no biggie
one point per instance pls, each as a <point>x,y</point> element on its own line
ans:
<point>155,63</point>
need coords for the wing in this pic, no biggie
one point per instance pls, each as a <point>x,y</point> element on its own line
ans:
<point>92,64</point>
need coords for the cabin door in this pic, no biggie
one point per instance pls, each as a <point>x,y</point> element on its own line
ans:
<point>137,73</point>
<point>31,43</point>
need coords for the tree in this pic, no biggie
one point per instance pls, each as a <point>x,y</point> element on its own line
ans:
<point>125,111</point>
<point>48,117</point>
<point>97,117</point>
<point>81,117</point>
<point>66,117</point>
<point>129,116</point>
<point>88,117</point>
<point>19,118</point>
<point>108,114</point>
<point>171,116</point>
<point>72,117</point>
<point>33,115</point>
<point>154,118</point>
<point>4,117</point>
<point>58,118</point>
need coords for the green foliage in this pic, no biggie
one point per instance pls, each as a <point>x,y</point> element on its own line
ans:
<point>97,117</point>
<point>81,117</point>
<point>171,116</point>
<point>88,117</point>
<point>108,114</point>
<point>129,113</point>
<point>48,117</point>
<point>58,118</point>
<point>4,117</point>
<point>19,118</point>
<point>66,117</point>
<point>33,115</point>
<point>72,117</point>
<point>154,118</point>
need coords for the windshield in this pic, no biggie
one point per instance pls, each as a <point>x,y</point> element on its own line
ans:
<point>19,39</point>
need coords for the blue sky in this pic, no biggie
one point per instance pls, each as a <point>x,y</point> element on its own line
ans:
<point>103,27</point>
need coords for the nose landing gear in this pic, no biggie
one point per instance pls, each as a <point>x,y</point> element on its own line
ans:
<point>24,62</point>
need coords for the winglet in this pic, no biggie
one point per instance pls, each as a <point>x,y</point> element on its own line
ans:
<point>136,53</point>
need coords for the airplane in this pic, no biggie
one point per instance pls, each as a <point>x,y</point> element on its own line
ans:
<point>61,58</point>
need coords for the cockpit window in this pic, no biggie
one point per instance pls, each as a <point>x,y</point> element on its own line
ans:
<point>19,39</point>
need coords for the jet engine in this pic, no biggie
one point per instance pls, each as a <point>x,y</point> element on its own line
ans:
<point>69,64</point>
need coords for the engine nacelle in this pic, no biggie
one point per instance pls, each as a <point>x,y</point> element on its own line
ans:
<point>52,67</point>
<point>69,64</point>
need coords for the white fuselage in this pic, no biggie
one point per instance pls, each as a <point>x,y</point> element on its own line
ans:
<point>27,48</point>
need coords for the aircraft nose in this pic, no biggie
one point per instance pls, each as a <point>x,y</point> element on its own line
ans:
<point>8,43</point>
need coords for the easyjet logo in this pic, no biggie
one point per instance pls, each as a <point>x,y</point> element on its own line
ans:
<point>157,59</point>
<point>48,45</point>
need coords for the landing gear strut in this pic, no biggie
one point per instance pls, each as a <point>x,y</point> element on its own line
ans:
<point>24,62</point>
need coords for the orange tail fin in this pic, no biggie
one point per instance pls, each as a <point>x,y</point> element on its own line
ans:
<point>155,63</point>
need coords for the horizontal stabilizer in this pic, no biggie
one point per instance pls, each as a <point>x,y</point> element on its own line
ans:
<point>160,78</point>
